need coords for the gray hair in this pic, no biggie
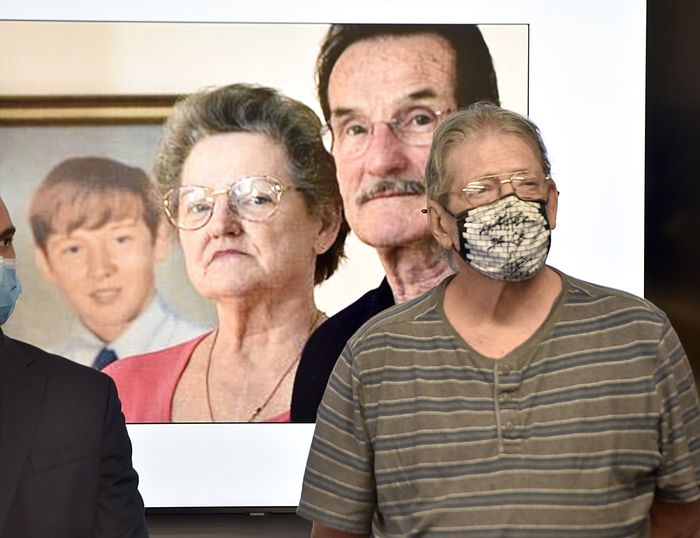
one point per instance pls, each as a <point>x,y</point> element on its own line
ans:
<point>257,109</point>
<point>479,118</point>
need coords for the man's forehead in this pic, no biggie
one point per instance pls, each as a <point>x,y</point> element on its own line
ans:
<point>489,153</point>
<point>128,223</point>
<point>384,73</point>
<point>5,219</point>
<point>422,96</point>
<point>97,213</point>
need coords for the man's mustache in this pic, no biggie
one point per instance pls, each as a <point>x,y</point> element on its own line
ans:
<point>392,186</point>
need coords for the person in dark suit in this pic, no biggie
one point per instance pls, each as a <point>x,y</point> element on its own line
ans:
<point>65,455</point>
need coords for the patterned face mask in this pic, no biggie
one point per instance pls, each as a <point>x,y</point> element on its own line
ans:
<point>506,240</point>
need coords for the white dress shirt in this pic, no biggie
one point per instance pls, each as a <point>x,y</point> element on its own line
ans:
<point>157,327</point>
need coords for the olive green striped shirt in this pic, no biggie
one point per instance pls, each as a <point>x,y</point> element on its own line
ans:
<point>571,434</point>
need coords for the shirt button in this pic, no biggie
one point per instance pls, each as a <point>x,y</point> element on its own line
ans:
<point>510,425</point>
<point>505,369</point>
<point>507,397</point>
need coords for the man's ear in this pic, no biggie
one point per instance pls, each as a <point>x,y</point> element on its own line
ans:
<point>552,204</point>
<point>42,262</point>
<point>163,240</point>
<point>331,219</point>
<point>441,224</point>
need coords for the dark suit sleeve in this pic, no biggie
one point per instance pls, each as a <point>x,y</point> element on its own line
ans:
<point>120,510</point>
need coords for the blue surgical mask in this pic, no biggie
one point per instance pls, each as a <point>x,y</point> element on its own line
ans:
<point>10,288</point>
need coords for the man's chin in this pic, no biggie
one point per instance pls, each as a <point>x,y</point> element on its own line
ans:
<point>104,319</point>
<point>384,225</point>
<point>388,237</point>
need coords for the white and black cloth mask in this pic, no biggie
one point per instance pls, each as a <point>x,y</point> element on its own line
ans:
<point>508,239</point>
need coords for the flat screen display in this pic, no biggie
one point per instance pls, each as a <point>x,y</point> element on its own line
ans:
<point>576,69</point>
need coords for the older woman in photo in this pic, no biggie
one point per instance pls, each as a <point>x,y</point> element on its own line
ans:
<point>252,192</point>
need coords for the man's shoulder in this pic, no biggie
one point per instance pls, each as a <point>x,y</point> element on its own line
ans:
<point>605,298</point>
<point>173,320</point>
<point>80,347</point>
<point>343,324</point>
<point>56,367</point>
<point>158,326</point>
<point>156,363</point>
<point>370,304</point>
<point>404,318</point>
<point>593,307</point>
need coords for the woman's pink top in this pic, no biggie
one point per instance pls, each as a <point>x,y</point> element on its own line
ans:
<point>147,383</point>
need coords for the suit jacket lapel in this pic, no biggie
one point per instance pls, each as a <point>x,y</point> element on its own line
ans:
<point>22,383</point>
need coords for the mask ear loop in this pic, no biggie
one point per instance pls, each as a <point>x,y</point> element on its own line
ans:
<point>463,251</point>
<point>8,262</point>
<point>461,244</point>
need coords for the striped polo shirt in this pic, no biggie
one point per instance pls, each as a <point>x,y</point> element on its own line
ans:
<point>573,433</point>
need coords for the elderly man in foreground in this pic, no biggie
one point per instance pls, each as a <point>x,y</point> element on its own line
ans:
<point>512,400</point>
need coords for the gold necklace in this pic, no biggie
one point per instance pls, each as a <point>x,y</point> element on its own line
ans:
<point>258,410</point>
<point>206,376</point>
<point>315,322</point>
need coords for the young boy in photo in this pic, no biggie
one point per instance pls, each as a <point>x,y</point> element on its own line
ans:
<point>98,232</point>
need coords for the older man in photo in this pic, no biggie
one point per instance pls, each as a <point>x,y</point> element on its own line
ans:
<point>383,89</point>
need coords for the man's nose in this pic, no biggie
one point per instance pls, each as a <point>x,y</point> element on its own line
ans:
<point>507,187</point>
<point>386,154</point>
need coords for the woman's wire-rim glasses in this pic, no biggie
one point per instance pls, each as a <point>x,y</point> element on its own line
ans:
<point>252,198</point>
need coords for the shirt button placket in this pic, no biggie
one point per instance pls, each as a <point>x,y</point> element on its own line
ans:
<point>508,413</point>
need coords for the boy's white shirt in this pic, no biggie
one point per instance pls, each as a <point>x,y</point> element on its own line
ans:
<point>157,327</point>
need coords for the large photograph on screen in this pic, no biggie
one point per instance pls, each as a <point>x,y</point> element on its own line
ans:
<point>198,324</point>
<point>586,96</point>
